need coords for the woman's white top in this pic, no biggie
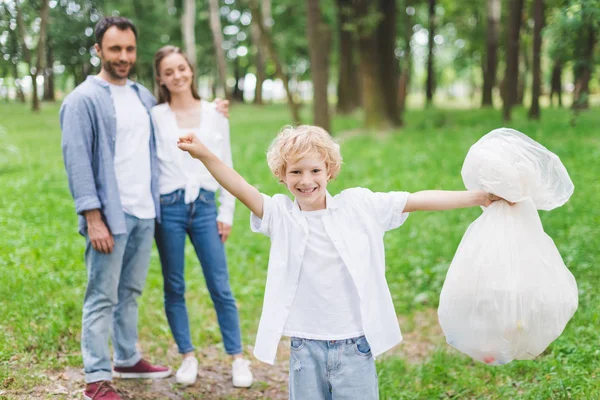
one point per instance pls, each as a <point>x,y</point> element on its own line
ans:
<point>178,170</point>
<point>326,305</point>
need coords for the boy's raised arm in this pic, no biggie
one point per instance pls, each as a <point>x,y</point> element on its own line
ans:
<point>227,177</point>
<point>431,200</point>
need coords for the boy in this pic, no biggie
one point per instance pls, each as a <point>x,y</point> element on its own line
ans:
<point>326,286</point>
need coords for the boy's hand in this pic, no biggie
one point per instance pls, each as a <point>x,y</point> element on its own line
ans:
<point>490,198</point>
<point>193,145</point>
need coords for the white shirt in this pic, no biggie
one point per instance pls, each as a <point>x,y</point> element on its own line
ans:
<point>326,305</point>
<point>132,152</point>
<point>357,221</point>
<point>179,170</point>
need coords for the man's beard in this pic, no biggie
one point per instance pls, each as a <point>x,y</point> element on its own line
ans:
<point>112,71</point>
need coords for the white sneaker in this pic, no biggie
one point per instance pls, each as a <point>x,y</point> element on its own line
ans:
<point>242,376</point>
<point>188,371</point>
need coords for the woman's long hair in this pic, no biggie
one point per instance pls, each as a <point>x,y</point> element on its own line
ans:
<point>164,96</point>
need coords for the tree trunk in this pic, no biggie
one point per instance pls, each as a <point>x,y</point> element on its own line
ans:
<point>260,51</point>
<point>405,75</point>
<point>215,27</point>
<point>386,33</point>
<point>259,62</point>
<point>49,92</point>
<point>523,74</point>
<point>188,29</point>
<point>238,89</point>
<point>512,57</point>
<point>267,41</point>
<point>376,116</point>
<point>348,92</point>
<point>538,18</point>
<point>583,73</point>
<point>430,73</point>
<point>40,61</point>
<point>18,87</point>
<point>556,83</point>
<point>319,44</point>
<point>491,65</point>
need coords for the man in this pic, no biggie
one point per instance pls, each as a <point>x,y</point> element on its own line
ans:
<point>110,157</point>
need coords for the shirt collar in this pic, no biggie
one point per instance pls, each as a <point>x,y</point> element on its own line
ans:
<point>99,81</point>
<point>330,204</point>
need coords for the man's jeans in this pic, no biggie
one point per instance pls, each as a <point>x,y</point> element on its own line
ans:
<point>332,369</point>
<point>199,221</point>
<point>115,281</point>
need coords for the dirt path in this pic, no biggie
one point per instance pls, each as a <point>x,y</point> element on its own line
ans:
<point>422,335</point>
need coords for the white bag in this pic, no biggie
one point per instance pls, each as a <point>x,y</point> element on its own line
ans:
<point>508,293</point>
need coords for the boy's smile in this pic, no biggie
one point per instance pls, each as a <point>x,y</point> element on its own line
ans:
<point>307,179</point>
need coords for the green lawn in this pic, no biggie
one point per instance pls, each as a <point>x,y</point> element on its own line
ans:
<point>42,275</point>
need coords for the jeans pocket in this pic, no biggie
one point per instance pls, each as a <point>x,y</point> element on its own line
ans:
<point>362,347</point>
<point>169,198</point>
<point>296,343</point>
<point>207,197</point>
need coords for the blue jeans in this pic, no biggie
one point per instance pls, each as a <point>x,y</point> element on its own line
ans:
<point>115,281</point>
<point>332,369</point>
<point>199,221</point>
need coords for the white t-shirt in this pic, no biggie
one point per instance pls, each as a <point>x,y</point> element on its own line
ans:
<point>326,305</point>
<point>132,152</point>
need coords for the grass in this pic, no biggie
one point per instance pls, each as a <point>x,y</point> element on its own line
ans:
<point>42,275</point>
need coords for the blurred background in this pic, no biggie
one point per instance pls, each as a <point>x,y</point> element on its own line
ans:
<point>340,55</point>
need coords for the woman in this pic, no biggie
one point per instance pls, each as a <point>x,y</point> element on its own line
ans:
<point>188,208</point>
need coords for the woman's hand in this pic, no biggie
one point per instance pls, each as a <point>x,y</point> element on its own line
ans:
<point>193,145</point>
<point>224,230</point>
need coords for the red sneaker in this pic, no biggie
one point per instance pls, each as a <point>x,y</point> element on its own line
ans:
<point>143,369</point>
<point>101,390</point>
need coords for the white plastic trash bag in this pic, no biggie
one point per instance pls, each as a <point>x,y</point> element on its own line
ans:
<point>508,293</point>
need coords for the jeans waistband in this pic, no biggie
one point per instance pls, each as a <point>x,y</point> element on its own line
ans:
<point>346,341</point>
<point>180,194</point>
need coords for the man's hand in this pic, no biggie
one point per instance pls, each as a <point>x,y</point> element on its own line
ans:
<point>193,145</point>
<point>224,230</point>
<point>222,107</point>
<point>98,232</point>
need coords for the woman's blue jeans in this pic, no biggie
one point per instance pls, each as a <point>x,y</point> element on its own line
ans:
<point>198,220</point>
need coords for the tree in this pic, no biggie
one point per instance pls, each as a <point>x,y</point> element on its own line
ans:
<point>573,32</point>
<point>348,92</point>
<point>37,64</point>
<point>268,43</point>
<point>583,68</point>
<point>260,52</point>
<point>188,24</point>
<point>319,41</point>
<point>556,82</point>
<point>538,17</point>
<point>406,72</point>
<point>373,50</point>
<point>430,71</point>
<point>491,64</point>
<point>49,92</point>
<point>386,33</point>
<point>512,57</point>
<point>215,26</point>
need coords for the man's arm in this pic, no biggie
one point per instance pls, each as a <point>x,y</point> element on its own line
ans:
<point>432,200</point>
<point>227,177</point>
<point>77,138</point>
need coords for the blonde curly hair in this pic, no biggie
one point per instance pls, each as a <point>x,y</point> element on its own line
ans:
<point>295,143</point>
